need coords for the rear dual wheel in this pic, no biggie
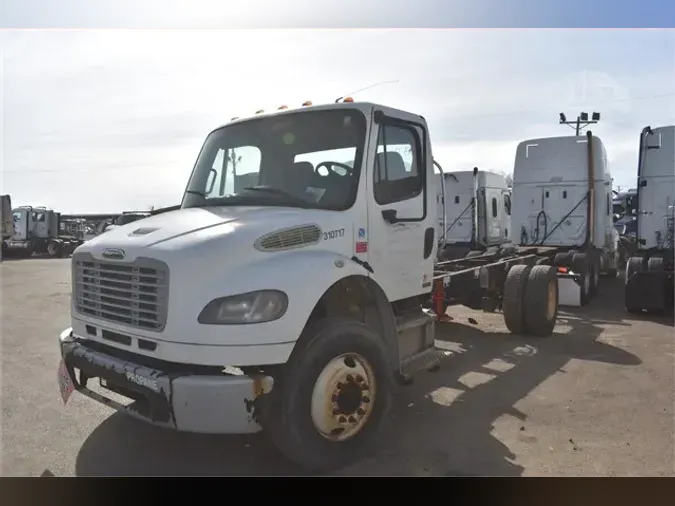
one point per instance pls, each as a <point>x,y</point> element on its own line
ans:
<point>531,300</point>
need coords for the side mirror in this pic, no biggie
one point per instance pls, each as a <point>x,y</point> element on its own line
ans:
<point>211,181</point>
<point>389,215</point>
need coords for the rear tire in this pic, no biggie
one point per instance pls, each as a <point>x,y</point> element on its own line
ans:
<point>580,266</point>
<point>319,415</point>
<point>633,265</point>
<point>512,305</point>
<point>595,274</point>
<point>541,301</point>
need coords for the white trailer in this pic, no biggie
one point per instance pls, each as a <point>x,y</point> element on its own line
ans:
<point>295,305</point>
<point>649,270</point>
<point>562,199</point>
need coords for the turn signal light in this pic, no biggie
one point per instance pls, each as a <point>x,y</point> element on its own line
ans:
<point>563,270</point>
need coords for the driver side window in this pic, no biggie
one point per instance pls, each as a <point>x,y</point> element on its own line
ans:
<point>397,167</point>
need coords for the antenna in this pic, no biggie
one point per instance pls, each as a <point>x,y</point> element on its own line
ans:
<point>366,88</point>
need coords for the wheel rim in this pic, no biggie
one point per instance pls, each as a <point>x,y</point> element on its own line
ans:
<point>552,300</point>
<point>343,397</point>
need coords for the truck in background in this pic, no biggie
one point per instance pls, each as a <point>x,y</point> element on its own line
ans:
<point>562,199</point>
<point>38,230</point>
<point>649,270</point>
<point>6,222</point>
<point>467,229</point>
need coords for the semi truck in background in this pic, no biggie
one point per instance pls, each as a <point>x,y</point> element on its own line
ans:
<point>6,223</point>
<point>649,270</point>
<point>38,230</point>
<point>296,305</point>
<point>466,228</point>
<point>562,199</point>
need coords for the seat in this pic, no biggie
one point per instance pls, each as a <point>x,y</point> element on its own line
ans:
<point>391,166</point>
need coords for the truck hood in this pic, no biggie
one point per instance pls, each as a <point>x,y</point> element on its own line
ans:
<point>161,229</point>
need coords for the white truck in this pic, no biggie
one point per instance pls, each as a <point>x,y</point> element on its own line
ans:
<point>463,227</point>
<point>37,230</point>
<point>562,199</point>
<point>295,305</point>
<point>649,270</point>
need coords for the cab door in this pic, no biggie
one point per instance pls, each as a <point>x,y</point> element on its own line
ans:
<point>402,204</point>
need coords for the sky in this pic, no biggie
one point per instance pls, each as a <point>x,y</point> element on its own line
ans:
<point>109,120</point>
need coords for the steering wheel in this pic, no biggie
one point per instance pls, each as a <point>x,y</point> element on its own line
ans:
<point>329,167</point>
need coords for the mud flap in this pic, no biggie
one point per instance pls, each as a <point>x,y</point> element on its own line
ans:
<point>647,290</point>
<point>569,290</point>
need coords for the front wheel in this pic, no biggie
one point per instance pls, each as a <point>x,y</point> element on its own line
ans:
<point>333,397</point>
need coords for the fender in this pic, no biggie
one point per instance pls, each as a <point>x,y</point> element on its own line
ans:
<point>303,275</point>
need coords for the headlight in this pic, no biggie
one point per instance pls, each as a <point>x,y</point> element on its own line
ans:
<point>252,307</point>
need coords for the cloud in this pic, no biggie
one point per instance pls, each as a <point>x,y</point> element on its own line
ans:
<point>101,121</point>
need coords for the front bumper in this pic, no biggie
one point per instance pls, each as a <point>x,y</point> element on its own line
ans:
<point>176,396</point>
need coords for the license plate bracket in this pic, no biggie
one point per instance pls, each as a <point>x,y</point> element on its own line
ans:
<point>66,384</point>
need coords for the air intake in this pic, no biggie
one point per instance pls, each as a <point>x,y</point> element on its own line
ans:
<point>290,238</point>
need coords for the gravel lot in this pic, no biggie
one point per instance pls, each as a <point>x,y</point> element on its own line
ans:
<point>595,399</point>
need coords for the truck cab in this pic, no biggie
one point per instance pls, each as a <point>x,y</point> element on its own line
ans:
<point>562,195</point>
<point>468,228</point>
<point>649,270</point>
<point>297,262</point>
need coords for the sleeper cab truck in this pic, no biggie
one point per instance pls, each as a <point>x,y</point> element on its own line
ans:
<point>649,270</point>
<point>562,205</point>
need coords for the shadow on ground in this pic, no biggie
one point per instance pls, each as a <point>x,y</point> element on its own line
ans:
<point>440,426</point>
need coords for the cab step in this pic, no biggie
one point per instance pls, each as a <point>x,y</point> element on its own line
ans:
<point>427,360</point>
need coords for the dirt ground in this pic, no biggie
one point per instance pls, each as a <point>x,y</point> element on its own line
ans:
<point>594,399</point>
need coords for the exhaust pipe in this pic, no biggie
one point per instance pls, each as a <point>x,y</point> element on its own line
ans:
<point>590,214</point>
<point>440,169</point>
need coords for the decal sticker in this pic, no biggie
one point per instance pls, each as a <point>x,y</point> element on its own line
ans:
<point>362,233</point>
<point>333,234</point>
<point>361,247</point>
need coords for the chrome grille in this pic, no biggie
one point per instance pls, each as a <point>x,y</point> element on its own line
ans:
<point>128,293</point>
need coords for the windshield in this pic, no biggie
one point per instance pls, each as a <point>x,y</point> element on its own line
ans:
<point>302,159</point>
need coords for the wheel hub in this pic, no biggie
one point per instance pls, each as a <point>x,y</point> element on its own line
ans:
<point>343,396</point>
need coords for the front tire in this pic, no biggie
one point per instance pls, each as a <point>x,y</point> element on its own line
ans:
<point>333,397</point>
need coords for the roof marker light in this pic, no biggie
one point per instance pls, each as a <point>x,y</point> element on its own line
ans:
<point>236,117</point>
<point>305,104</point>
<point>260,111</point>
<point>348,99</point>
<point>283,107</point>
